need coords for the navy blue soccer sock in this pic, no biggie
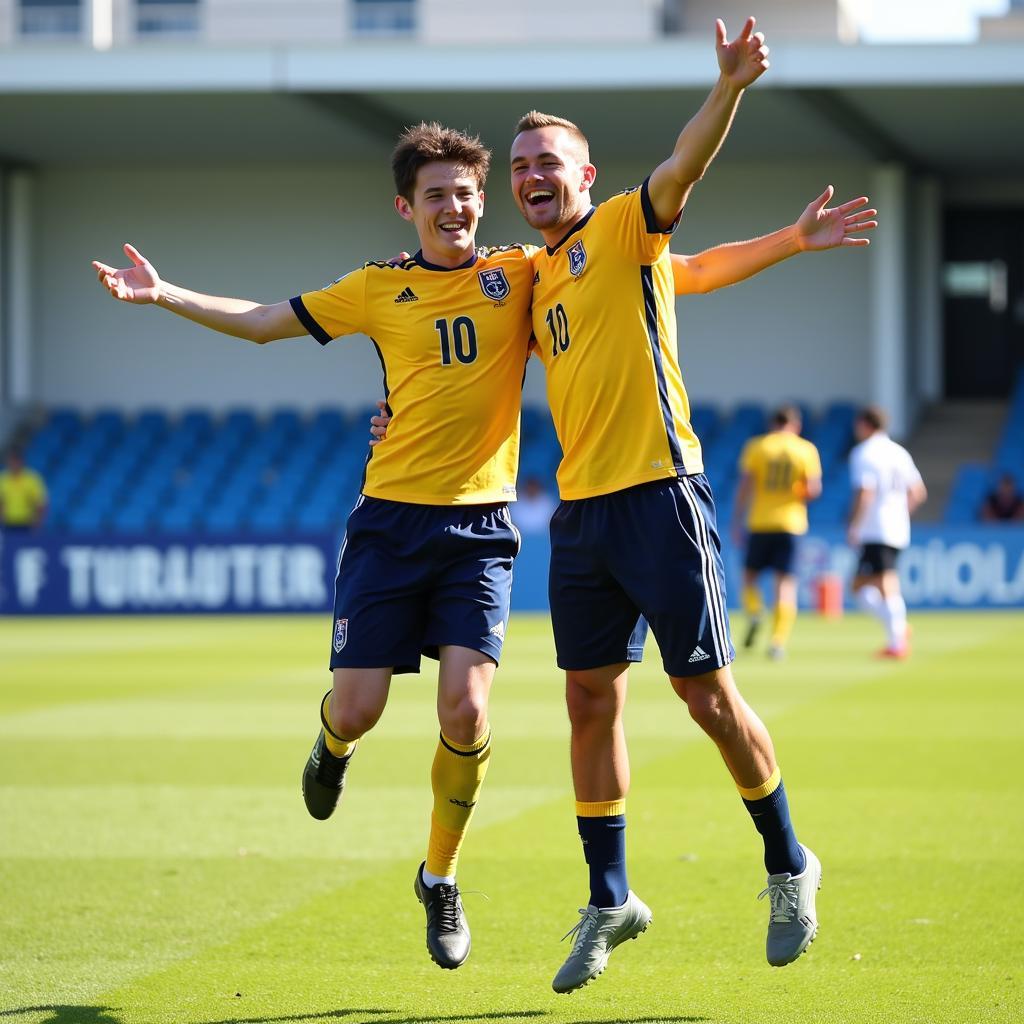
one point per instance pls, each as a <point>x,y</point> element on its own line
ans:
<point>769,808</point>
<point>604,846</point>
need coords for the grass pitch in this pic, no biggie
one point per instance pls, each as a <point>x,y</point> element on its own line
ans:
<point>158,864</point>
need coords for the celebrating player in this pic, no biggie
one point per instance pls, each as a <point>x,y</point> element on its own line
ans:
<point>634,540</point>
<point>781,472</point>
<point>612,365</point>
<point>426,562</point>
<point>887,488</point>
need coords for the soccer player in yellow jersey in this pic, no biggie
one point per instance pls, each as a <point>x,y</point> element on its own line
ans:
<point>426,562</point>
<point>634,540</point>
<point>780,474</point>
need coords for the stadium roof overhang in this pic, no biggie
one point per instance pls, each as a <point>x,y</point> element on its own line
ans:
<point>952,111</point>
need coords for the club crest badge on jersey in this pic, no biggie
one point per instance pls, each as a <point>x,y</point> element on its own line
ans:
<point>577,258</point>
<point>340,634</point>
<point>494,284</point>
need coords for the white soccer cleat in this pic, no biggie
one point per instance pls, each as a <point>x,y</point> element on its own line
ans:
<point>597,933</point>
<point>793,921</point>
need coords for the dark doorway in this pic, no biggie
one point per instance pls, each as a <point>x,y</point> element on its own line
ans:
<point>983,301</point>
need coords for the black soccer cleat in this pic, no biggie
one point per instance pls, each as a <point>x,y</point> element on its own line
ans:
<point>323,779</point>
<point>448,939</point>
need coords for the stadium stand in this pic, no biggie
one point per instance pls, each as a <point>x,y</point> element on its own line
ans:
<point>239,473</point>
<point>974,479</point>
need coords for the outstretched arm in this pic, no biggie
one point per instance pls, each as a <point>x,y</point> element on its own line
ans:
<point>142,285</point>
<point>740,63</point>
<point>817,228</point>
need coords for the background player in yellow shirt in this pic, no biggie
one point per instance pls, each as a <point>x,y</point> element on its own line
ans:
<point>426,563</point>
<point>780,474</point>
<point>23,497</point>
<point>634,541</point>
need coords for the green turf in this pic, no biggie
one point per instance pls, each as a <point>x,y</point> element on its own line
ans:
<point>157,864</point>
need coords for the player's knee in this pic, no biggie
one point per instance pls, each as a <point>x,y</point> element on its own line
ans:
<point>353,720</point>
<point>587,706</point>
<point>712,710</point>
<point>463,719</point>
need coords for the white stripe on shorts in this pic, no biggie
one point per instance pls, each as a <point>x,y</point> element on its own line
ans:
<point>712,585</point>
<point>344,539</point>
<point>515,529</point>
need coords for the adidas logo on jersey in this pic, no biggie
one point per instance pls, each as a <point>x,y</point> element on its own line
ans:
<point>699,654</point>
<point>408,295</point>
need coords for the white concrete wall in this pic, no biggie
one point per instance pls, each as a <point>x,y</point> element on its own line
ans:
<point>270,21</point>
<point>445,21</point>
<point>268,233</point>
<point>780,19</point>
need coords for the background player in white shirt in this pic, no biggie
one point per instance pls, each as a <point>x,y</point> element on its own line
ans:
<point>887,488</point>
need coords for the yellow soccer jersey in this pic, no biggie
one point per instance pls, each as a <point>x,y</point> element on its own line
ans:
<point>604,318</point>
<point>453,346</point>
<point>21,497</point>
<point>779,465</point>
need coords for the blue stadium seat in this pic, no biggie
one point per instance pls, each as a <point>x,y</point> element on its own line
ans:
<point>705,421</point>
<point>970,486</point>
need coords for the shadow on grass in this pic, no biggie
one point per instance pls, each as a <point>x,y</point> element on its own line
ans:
<point>645,1020</point>
<point>102,1015</point>
<point>68,1014</point>
<point>384,1017</point>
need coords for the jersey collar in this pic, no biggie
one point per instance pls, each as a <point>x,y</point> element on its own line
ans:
<point>578,226</point>
<point>421,261</point>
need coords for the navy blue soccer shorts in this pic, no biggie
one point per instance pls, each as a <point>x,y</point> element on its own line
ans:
<point>775,551</point>
<point>645,555</point>
<point>413,578</point>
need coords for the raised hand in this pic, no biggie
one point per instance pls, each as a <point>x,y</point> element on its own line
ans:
<point>139,283</point>
<point>744,60</point>
<point>823,228</point>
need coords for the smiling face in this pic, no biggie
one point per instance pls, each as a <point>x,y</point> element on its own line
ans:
<point>551,180</point>
<point>446,208</point>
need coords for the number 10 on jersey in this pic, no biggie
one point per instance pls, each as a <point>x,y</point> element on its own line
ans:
<point>463,333</point>
<point>558,325</point>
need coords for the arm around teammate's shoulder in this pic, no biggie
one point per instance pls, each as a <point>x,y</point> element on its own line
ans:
<point>140,284</point>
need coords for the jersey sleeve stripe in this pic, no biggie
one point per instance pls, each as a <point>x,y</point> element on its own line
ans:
<point>307,321</point>
<point>650,217</point>
<point>651,314</point>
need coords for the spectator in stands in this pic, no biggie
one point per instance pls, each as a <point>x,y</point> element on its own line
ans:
<point>23,496</point>
<point>1004,504</point>
<point>887,487</point>
<point>532,512</point>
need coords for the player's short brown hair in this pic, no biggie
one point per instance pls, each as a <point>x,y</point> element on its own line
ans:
<point>786,415</point>
<point>535,119</point>
<point>430,142</point>
<point>874,417</point>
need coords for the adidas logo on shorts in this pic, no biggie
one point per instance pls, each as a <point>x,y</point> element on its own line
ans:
<point>699,654</point>
<point>408,295</point>
<point>498,630</point>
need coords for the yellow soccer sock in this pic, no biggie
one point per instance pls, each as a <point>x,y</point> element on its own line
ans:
<point>456,777</point>
<point>334,743</point>
<point>752,603</point>
<point>782,623</point>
